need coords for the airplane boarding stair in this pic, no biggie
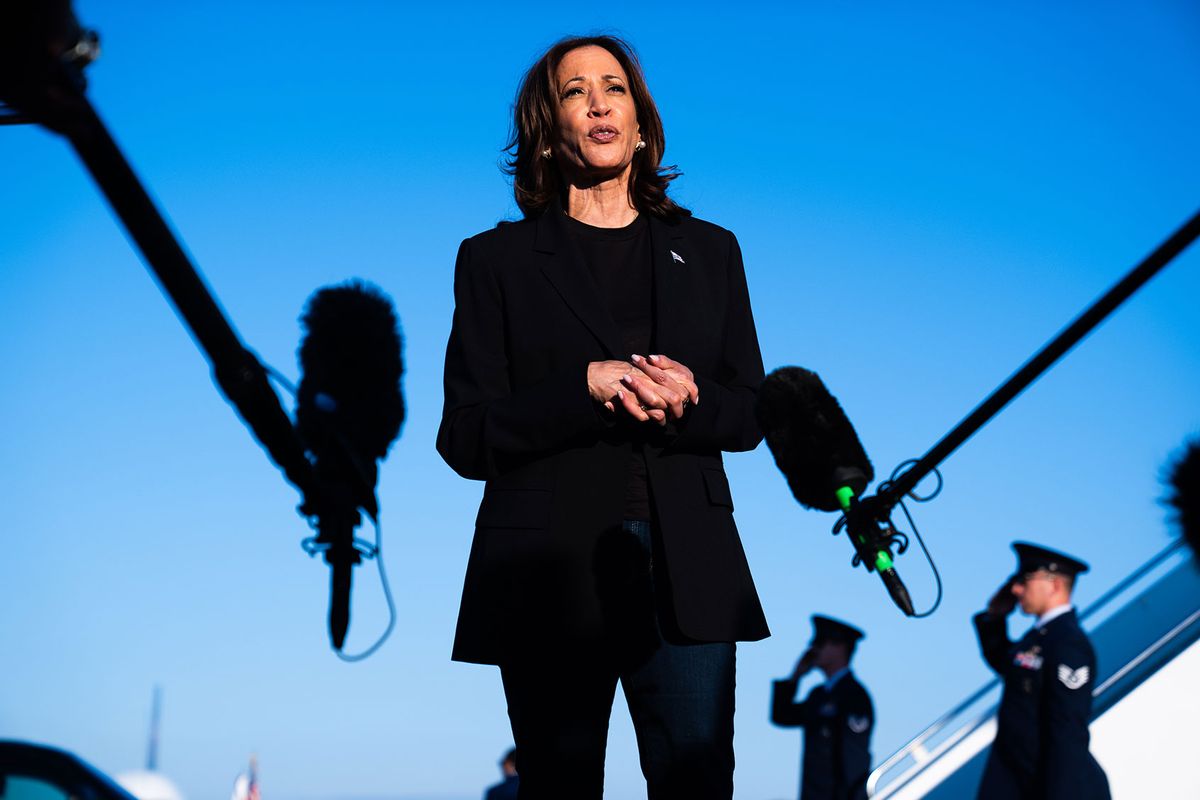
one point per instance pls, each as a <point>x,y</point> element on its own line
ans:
<point>1146,632</point>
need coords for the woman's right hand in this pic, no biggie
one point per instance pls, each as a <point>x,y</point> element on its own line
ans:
<point>619,384</point>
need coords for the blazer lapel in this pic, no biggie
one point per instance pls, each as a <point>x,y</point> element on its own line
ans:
<point>563,266</point>
<point>670,285</point>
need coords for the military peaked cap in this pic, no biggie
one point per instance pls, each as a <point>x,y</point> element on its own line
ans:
<point>836,630</point>
<point>1033,557</point>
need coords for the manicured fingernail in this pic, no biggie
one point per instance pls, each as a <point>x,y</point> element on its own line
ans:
<point>636,357</point>
<point>627,379</point>
<point>654,358</point>
<point>620,395</point>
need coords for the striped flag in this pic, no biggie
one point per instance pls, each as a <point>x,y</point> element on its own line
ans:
<point>245,786</point>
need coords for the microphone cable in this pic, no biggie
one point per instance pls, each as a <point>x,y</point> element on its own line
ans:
<point>900,538</point>
<point>369,551</point>
<point>916,498</point>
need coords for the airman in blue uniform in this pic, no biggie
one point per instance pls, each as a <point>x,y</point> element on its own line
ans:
<point>1041,746</point>
<point>837,715</point>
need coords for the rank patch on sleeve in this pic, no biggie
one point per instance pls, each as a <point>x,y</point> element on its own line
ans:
<point>1073,678</point>
<point>858,724</point>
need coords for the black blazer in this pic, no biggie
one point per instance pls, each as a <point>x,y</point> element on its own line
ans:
<point>528,319</point>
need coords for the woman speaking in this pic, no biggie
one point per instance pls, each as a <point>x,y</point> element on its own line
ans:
<point>601,358</point>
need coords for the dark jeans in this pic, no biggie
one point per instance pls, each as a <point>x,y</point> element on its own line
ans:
<point>680,694</point>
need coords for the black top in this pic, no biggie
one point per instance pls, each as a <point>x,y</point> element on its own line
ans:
<point>619,261</point>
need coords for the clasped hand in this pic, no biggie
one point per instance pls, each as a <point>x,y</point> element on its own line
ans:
<point>655,388</point>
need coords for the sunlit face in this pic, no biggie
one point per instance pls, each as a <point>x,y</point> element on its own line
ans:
<point>1038,592</point>
<point>597,120</point>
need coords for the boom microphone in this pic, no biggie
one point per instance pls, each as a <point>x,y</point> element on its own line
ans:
<point>814,444</point>
<point>818,451</point>
<point>43,50</point>
<point>350,408</point>
<point>349,411</point>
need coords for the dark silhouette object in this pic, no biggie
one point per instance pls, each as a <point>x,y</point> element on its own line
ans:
<point>349,410</point>
<point>812,440</point>
<point>837,716</point>
<point>43,52</point>
<point>352,355</point>
<point>506,789</point>
<point>1041,745</point>
<point>349,397</point>
<point>1184,480</point>
<point>819,453</point>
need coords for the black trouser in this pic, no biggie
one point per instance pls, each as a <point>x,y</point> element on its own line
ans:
<point>680,697</point>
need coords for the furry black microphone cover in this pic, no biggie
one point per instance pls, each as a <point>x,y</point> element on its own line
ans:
<point>1185,480</point>
<point>351,369</point>
<point>813,442</point>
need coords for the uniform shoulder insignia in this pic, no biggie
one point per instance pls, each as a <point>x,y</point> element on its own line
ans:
<point>1073,678</point>
<point>858,724</point>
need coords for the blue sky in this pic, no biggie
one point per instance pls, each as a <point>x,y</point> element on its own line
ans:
<point>923,195</point>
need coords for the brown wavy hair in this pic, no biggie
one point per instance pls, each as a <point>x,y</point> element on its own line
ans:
<point>537,181</point>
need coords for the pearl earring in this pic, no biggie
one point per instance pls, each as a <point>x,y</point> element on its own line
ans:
<point>640,146</point>
<point>547,153</point>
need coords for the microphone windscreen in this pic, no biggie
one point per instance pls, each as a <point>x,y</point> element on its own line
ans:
<point>812,440</point>
<point>1184,479</point>
<point>351,367</point>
